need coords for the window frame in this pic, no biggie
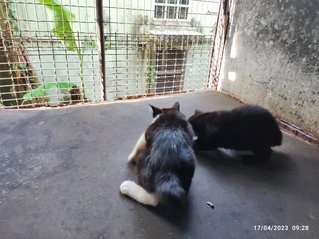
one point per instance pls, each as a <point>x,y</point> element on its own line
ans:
<point>166,6</point>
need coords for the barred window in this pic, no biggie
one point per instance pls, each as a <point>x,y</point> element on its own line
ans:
<point>171,9</point>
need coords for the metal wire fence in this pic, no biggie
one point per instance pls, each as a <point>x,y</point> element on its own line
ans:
<point>50,50</point>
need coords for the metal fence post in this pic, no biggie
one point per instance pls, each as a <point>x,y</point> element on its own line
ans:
<point>100,24</point>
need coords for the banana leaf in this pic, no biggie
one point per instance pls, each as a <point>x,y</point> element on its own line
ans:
<point>62,20</point>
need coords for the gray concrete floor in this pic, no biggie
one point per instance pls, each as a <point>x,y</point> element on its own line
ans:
<point>60,171</point>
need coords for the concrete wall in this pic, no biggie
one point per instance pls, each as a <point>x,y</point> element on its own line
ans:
<point>271,58</point>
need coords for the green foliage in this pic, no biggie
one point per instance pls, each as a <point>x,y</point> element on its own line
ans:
<point>150,74</point>
<point>62,20</point>
<point>11,17</point>
<point>107,45</point>
<point>88,42</point>
<point>63,30</point>
<point>18,64</point>
<point>41,91</point>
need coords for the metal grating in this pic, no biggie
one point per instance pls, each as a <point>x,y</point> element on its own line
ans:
<point>51,52</point>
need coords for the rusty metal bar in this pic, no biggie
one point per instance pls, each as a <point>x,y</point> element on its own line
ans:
<point>222,22</point>
<point>100,23</point>
<point>211,61</point>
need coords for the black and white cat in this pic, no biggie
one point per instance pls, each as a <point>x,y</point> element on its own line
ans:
<point>248,127</point>
<point>165,160</point>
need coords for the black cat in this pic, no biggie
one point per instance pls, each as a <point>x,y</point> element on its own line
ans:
<point>165,160</point>
<point>247,127</point>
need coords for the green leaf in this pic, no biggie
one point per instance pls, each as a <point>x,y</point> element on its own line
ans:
<point>89,43</point>
<point>62,29</point>
<point>42,89</point>
<point>107,45</point>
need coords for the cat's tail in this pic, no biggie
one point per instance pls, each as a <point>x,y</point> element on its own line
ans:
<point>169,190</point>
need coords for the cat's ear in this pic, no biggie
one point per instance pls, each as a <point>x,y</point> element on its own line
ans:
<point>156,111</point>
<point>176,105</point>
<point>197,112</point>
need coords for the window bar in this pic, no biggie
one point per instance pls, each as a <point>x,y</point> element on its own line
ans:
<point>5,49</point>
<point>165,55</point>
<point>96,95</point>
<point>55,71</point>
<point>40,61</point>
<point>183,63</point>
<point>67,64</point>
<point>25,55</point>
<point>126,66</point>
<point>116,65</point>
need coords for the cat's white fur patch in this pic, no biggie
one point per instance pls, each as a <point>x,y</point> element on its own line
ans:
<point>138,193</point>
<point>140,145</point>
<point>155,118</point>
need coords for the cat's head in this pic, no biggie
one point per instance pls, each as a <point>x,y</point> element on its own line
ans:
<point>158,111</point>
<point>194,119</point>
<point>171,117</point>
<point>197,112</point>
<point>195,115</point>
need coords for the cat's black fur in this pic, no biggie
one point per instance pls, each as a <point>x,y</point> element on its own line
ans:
<point>166,166</point>
<point>247,127</point>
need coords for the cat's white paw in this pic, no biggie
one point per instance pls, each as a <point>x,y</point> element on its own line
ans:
<point>131,157</point>
<point>138,193</point>
<point>127,187</point>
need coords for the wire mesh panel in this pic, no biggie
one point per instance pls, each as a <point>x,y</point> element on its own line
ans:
<point>49,49</point>
<point>49,53</point>
<point>158,46</point>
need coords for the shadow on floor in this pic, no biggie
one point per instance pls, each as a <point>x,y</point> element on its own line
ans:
<point>229,163</point>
